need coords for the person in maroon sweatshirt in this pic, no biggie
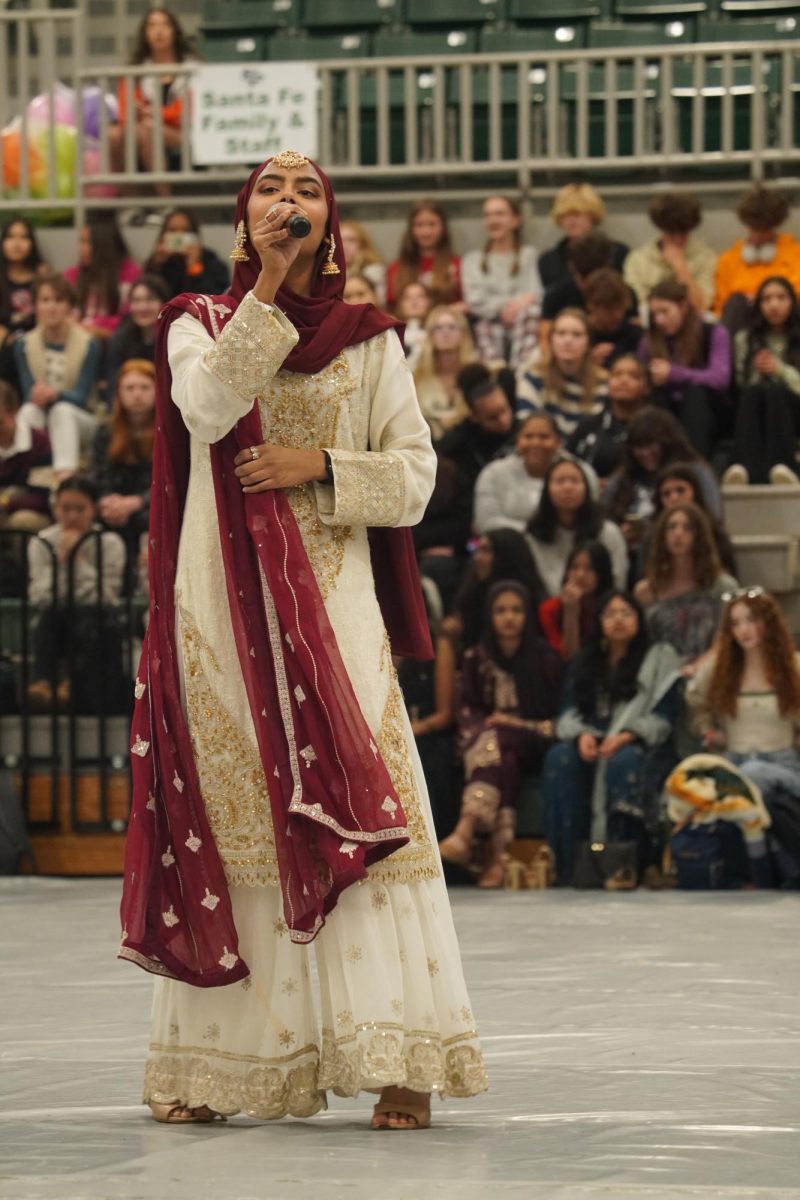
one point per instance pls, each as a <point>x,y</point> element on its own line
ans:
<point>22,450</point>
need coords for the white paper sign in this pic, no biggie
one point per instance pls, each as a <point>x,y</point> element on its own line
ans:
<point>244,113</point>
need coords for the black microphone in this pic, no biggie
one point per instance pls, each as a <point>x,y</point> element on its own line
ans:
<point>298,224</point>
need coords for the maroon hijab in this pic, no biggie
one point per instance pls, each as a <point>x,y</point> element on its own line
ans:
<point>334,807</point>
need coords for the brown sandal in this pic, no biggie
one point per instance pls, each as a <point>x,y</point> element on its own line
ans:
<point>168,1114</point>
<point>403,1103</point>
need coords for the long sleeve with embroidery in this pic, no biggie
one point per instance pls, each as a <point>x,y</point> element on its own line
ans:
<point>214,383</point>
<point>391,482</point>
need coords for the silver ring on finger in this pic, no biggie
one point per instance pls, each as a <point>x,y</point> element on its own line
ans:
<point>254,454</point>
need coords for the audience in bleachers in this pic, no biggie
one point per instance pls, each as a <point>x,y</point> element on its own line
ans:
<point>767,362</point>
<point>22,450</point>
<point>507,700</point>
<point>448,346</point>
<point>502,288</point>
<point>426,256</point>
<point>359,290</point>
<point>413,306</point>
<point>499,554</point>
<point>689,360</point>
<point>564,380</point>
<point>160,41</point>
<point>612,332</point>
<point>762,253</point>
<point>103,276</point>
<point>487,429</point>
<point>675,254</point>
<point>75,581</point>
<point>587,254</point>
<point>567,620</point>
<point>361,258</point>
<point>122,454</point>
<point>567,515</point>
<point>683,583</point>
<point>577,210</point>
<point>598,441</point>
<point>136,336</point>
<point>745,705</point>
<point>680,483</point>
<point>508,489</point>
<point>58,364</point>
<point>181,259</point>
<point>601,780</point>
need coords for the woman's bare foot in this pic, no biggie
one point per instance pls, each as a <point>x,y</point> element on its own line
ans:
<point>400,1108</point>
<point>181,1114</point>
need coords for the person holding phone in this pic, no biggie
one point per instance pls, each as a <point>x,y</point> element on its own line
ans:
<point>181,259</point>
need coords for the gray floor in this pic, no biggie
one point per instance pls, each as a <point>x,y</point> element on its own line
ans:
<point>639,1046</point>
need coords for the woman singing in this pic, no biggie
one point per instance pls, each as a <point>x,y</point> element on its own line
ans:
<point>274,767</point>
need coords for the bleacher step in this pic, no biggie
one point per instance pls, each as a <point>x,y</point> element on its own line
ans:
<point>762,509</point>
<point>768,559</point>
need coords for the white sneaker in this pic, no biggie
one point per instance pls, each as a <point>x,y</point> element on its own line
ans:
<point>783,474</point>
<point>736,475</point>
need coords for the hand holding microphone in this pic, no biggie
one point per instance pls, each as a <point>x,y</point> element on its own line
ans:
<point>277,238</point>
<point>297,224</point>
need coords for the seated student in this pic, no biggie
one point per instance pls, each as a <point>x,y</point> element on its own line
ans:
<point>676,254</point>
<point>601,779</point>
<point>761,254</point>
<point>689,361</point>
<point>22,450</point>
<point>567,515</point>
<point>103,276</point>
<point>683,584</point>
<point>606,298</point>
<point>502,289</point>
<point>655,439</point>
<point>577,210</point>
<point>587,254</point>
<point>21,263</point>
<point>745,705</point>
<point>679,483</point>
<point>448,346</point>
<point>136,336</point>
<point>412,308</point>
<point>563,381</point>
<point>508,489</point>
<point>426,256</point>
<point>181,259</point>
<point>58,364</point>
<point>122,455</point>
<point>362,258</point>
<point>74,623</point>
<point>767,357</point>
<point>501,554</point>
<point>599,441</point>
<point>567,620</point>
<point>359,290</point>
<point>508,697</point>
<point>486,430</point>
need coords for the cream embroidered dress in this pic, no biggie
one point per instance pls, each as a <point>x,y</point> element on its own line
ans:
<point>394,1007</point>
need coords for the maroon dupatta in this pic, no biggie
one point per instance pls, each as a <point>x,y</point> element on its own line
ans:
<point>334,807</point>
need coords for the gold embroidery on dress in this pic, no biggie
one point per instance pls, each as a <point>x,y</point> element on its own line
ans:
<point>229,767</point>
<point>374,488</point>
<point>249,349</point>
<point>418,1058</point>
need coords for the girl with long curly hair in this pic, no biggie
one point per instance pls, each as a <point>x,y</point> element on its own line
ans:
<point>767,358</point>
<point>745,699</point>
<point>426,256</point>
<point>683,584</point>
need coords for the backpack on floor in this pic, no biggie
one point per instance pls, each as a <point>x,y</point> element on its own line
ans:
<point>708,857</point>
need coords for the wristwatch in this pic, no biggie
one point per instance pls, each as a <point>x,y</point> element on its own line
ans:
<point>328,480</point>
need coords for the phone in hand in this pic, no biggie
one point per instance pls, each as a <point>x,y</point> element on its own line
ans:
<point>179,243</point>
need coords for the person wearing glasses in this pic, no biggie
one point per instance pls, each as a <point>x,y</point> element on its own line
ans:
<point>446,348</point>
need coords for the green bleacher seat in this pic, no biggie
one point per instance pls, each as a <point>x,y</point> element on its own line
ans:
<point>532,38</point>
<point>753,6</point>
<point>247,16</point>
<point>619,35</point>
<point>597,92</point>
<point>410,44</point>
<point>552,10</point>
<point>741,30</point>
<point>713,86</point>
<point>454,12</point>
<point>282,47</point>
<point>232,47</point>
<point>358,14</point>
<point>658,8</point>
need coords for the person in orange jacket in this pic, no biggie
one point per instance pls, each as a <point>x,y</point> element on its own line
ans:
<point>761,253</point>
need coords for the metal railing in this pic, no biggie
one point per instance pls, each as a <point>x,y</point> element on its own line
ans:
<point>81,734</point>
<point>618,114</point>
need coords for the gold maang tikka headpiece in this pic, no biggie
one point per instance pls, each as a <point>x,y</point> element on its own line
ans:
<point>290,160</point>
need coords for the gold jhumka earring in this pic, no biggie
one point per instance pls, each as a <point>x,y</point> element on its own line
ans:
<point>329,266</point>
<point>238,253</point>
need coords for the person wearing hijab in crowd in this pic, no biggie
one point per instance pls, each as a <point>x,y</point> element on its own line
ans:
<point>508,697</point>
<point>274,766</point>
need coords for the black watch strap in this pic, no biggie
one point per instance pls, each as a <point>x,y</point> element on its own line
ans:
<point>328,480</point>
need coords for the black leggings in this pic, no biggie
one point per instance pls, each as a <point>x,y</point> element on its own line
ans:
<point>766,429</point>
